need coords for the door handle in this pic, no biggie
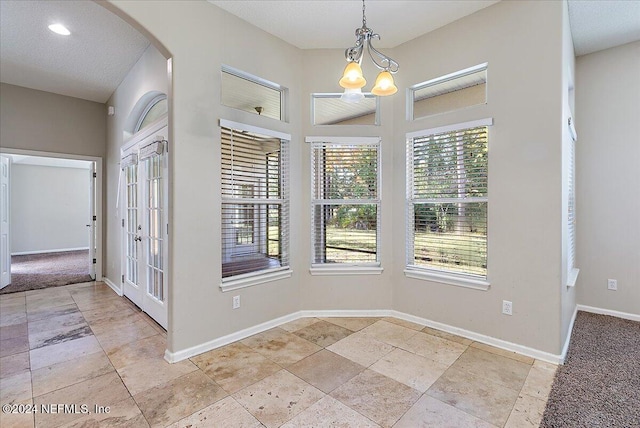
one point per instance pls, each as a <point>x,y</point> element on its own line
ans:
<point>138,238</point>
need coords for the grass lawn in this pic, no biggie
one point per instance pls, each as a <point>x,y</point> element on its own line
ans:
<point>438,250</point>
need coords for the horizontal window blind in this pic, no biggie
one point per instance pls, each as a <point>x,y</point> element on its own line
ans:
<point>255,205</point>
<point>571,217</point>
<point>346,203</point>
<point>447,201</point>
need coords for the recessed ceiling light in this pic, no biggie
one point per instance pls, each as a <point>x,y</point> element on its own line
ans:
<point>59,29</point>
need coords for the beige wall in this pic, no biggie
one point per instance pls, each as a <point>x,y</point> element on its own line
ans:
<point>524,99</point>
<point>42,121</point>
<point>147,75</point>
<point>608,177</point>
<point>322,69</point>
<point>201,38</point>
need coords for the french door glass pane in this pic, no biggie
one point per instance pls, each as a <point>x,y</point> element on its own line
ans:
<point>155,242</point>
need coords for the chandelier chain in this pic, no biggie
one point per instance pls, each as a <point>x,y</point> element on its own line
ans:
<point>364,17</point>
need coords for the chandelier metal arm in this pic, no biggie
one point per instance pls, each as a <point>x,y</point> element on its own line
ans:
<point>386,63</point>
<point>352,78</point>
<point>364,35</point>
<point>379,59</point>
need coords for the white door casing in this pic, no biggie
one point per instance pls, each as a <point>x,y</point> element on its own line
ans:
<point>92,221</point>
<point>144,222</point>
<point>5,218</point>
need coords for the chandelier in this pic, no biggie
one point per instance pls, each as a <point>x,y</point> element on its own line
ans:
<point>352,79</point>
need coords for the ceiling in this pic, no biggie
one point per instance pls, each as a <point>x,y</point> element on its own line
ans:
<point>598,25</point>
<point>102,48</point>
<point>88,64</point>
<point>313,24</point>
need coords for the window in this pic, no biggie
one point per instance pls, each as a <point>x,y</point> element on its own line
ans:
<point>454,91</point>
<point>252,94</point>
<point>572,271</point>
<point>156,108</point>
<point>255,203</point>
<point>346,202</point>
<point>447,199</point>
<point>331,109</point>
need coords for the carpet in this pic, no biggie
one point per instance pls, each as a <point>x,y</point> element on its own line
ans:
<point>36,271</point>
<point>599,384</point>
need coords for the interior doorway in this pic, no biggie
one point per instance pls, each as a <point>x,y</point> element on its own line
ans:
<point>51,233</point>
<point>144,190</point>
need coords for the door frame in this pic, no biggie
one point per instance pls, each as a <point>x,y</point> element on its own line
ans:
<point>5,251</point>
<point>98,193</point>
<point>131,142</point>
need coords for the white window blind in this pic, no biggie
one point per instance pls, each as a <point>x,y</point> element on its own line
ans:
<point>346,202</point>
<point>447,199</point>
<point>571,217</point>
<point>255,203</point>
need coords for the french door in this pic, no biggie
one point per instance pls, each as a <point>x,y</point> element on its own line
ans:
<point>144,223</point>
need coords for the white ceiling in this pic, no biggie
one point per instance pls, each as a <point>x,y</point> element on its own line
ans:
<point>311,24</point>
<point>597,25</point>
<point>102,48</point>
<point>88,64</point>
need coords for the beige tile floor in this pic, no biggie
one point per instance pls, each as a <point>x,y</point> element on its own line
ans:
<point>84,345</point>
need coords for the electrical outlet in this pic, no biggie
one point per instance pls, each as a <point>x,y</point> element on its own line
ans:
<point>236,302</point>
<point>612,284</point>
<point>507,307</point>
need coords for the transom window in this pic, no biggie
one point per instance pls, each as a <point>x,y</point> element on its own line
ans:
<point>346,201</point>
<point>255,202</point>
<point>156,108</point>
<point>252,94</point>
<point>447,197</point>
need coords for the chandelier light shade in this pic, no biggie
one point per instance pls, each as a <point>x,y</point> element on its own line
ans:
<point>353,78</point>
<point>352,95</point>
<point>384,85</point>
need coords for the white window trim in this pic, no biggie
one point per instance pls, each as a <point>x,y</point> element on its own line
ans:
<point>572,271</point>
<point>411,91</point>
<point>354,141</point>
<point>448,128</point>
<point>320,269</point>
<point>224,123</point>
<point>255,278</point>
<point>345,268</point>
<point>260,277</point>
<point>572,277</point>
<point>155,100</point>
<point>417,272</point>
<point>430,274</point>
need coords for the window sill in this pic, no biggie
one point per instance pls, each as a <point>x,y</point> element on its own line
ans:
<point>345,270</point>
<point>460,281</point>
<point>261,278</point>
<point>572,277</point>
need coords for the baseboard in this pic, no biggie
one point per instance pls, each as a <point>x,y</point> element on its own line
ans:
<point>601,311</point>
<point>347,313</point>
<point>112,285</point>
<point>174,357</point>
<point>565,348</point>
<point>498,343</point>
<point>59,250</point>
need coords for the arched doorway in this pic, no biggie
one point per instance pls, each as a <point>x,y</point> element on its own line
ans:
<point>144,209</point>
